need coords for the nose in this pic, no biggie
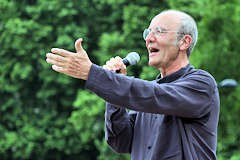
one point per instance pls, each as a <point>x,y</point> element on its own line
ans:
<point>150,38</point>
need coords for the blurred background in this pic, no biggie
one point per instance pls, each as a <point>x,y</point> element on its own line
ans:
<point>45,115</point>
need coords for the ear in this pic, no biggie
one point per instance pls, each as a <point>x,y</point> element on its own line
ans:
<point>185,42</point>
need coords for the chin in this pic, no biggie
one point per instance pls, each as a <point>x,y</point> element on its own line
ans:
<point>151,63</point>
<point>155,64</point>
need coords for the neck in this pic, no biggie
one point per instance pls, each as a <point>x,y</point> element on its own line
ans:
<point>179,63</point>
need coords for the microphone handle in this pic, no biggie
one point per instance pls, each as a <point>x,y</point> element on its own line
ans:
<point>126,62</point>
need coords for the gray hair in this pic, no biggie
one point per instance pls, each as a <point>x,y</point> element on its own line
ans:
<point>188,26</point>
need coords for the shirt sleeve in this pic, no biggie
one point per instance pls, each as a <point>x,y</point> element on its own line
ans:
<point>119,126</point>
<point>189,97</point>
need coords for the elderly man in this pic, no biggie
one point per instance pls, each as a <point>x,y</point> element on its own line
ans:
<point>173,117</point>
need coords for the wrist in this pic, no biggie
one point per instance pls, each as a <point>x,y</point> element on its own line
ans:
<point>88,70</point>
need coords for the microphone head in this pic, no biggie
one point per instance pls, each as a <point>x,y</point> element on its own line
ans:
<point>132,58</point>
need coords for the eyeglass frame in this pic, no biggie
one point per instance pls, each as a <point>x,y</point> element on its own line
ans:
<point>158,31</point>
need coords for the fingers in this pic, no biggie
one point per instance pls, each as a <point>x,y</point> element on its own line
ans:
<point>55,57</point>
<point>118,62</point>
<point>61,70</point>
<point>119,59</point>
<point>61,52</point>
<point>78,45</point>
<point>114,64</point>
<point>56,60</point>
<point>57,68</point>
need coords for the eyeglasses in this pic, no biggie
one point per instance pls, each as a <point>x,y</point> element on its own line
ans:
<point>157,32</point>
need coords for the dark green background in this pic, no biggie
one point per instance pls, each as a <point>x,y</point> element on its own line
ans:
<point>45,115</point>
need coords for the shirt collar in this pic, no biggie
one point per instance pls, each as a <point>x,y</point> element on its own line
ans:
<point>174,76</point>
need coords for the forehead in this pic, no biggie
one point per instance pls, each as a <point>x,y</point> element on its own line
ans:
<point>166,20</point>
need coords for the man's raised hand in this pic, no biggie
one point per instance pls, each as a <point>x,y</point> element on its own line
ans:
<point>76,65</point>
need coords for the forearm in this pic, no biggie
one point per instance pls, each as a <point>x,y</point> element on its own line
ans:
<point>192,95</point>
<point>118,128</point>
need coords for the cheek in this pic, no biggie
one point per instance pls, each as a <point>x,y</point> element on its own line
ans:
<point>176,43</point>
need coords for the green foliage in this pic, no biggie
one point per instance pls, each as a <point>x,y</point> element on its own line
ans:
<point>47,115</point>
<point>87,119</point>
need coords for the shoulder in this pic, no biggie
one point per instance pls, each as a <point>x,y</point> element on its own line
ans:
<point>200,76</point>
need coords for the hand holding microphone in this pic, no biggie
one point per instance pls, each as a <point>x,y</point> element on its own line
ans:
<point>119,65</point>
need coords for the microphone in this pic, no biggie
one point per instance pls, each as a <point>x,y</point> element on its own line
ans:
<point>131,59</point>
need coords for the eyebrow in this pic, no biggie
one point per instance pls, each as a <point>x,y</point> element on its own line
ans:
<point>161,27</point>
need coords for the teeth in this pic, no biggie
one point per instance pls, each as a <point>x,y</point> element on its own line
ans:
<point>153,50</point>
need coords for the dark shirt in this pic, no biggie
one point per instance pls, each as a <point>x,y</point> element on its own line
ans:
<point>171,118</point>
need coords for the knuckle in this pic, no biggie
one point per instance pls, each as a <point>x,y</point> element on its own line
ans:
<point>57,58</point>
<point>118,58</point>
<point>72,56</point>
<point>68,61</point>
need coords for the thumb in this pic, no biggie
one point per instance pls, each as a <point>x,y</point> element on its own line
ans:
<point>78,45</point>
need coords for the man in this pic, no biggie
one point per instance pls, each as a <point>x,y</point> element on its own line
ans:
<point>174,117</point>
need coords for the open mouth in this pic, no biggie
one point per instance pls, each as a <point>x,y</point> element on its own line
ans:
<point>153,50</point>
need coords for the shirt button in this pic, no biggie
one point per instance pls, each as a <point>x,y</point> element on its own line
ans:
<point>149,147</point>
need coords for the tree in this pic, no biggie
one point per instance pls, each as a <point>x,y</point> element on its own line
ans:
<point>46,115</point>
